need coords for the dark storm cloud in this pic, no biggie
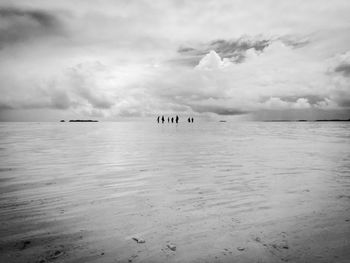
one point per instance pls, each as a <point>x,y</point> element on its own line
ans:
<point>344,69</point>
<point>42,17</point>
<point>227,48</point>
<point>231,49</point>
<point>185,49</point>
<point>235,49</point>
<point>18,25</point>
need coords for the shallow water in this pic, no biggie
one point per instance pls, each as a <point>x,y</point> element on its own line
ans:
<point>179,183</point>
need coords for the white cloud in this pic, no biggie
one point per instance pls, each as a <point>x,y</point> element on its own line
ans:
<point>279,104</point>
<point>301,103</point>
<point>112,59</point>
<point>276,103</point>
<point>212,61</point>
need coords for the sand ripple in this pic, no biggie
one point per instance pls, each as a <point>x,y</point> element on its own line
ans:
<point>85,189</point>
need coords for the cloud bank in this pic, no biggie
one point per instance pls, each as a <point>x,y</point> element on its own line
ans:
<point>256,59</point>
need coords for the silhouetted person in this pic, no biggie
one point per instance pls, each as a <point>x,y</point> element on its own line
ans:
<point>177,119</point>
<point>158,119</point>
<point>172,119</point>
<point>192,120</point>
<point>189,119</point>
<point>168,119</point>
<point>162,119</point>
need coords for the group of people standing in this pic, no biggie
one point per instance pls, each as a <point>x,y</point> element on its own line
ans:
<point>172,119</point>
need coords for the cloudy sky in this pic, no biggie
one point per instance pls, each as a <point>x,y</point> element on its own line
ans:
<point>109,60</point>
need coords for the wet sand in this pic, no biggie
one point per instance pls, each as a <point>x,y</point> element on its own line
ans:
<point>88,192</point>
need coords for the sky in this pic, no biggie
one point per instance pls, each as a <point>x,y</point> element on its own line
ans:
<point>220,59</point>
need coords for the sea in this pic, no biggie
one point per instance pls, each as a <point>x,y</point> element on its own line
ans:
<point>112,180</point>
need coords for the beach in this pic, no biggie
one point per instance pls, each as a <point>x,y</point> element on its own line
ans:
<point>192,192</point>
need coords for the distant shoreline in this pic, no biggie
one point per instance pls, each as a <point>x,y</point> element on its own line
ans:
<point>79,121</point>
<point>305,120</point>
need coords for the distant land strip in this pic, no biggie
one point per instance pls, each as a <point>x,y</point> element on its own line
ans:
<point>80,121</point>
<point>304,120</point>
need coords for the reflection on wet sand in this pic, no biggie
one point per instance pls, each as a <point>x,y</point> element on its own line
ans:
<point>130,192</point>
